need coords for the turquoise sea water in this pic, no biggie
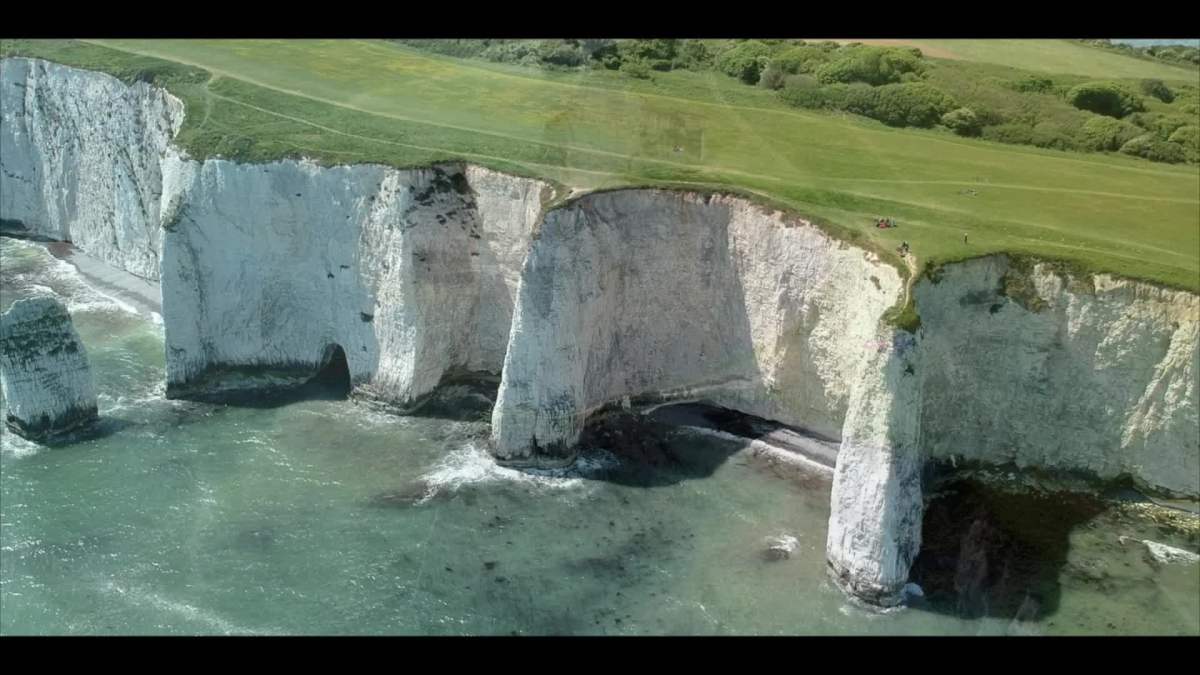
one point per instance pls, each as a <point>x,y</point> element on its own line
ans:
<point>325,517</point>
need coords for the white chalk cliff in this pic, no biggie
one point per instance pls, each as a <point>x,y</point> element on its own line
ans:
<point>44,371</point>
<point>1035,368</point>
<point>876,502</point>
<point>662,294</point>
<point>80,156</point>
<point>411,273</point>
<point>420,275</point>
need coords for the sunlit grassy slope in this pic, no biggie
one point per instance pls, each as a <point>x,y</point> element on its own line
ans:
<point>1050,56</point>
<point>366,101</point>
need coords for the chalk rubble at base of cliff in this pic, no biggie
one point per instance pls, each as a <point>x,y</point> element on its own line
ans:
<point>424,275</point>
<point>44,372</point>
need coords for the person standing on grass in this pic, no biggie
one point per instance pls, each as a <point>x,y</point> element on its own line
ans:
<point>964,237</point>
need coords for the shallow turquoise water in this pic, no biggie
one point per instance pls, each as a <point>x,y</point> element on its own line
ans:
<point>188,518</point>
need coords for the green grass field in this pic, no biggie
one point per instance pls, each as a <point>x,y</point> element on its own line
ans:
<point>1060,56</point>
<point>1049,56</point>
<point>370,101</point>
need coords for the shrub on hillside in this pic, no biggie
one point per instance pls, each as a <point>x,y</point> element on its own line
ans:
<point>772,77</point>
<point>1189,135</point>
<point>1101,133</point>
<point>910,105</point>
<point>1152,148</point>
<point>693,55</point>
<point>1158,89</point>
<point>656,54</point>
<point>1034,84</point>
<point>1105,98</point>
<point>562,53</point>
<point>1162,125</point>
<point>1053,135</point>
<point>962,121</point>
<point>803,91</point>
<point>858,98</point>
<point>801,59</point>
<point>636,69</point>
<point>744,60</point>
<point>870,64</point>
<point>593,46</point>
<point>459,48</point>
<point>1175,53</point>
<point>897,105</point>
<point>512,51</point>
<point>1188,138</point>
<point>1009,132</point>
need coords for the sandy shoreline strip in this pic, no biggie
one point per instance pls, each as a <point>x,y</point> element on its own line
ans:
<point>142,294</point>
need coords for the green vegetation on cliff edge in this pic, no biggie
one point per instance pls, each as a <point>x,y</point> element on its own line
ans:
<point>340,101</point>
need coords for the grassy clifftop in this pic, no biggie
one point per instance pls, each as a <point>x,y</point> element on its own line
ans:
<point>367,101</point>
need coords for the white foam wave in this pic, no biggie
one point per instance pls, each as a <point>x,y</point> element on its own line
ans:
<point>13,445</point>
<point>150,395</point>
<point>367,415</point>
<point>471,464</point>
<point>78,304</point>
<point>78,295</point>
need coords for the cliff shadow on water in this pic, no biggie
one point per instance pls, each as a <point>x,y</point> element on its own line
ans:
<point>992,552</point>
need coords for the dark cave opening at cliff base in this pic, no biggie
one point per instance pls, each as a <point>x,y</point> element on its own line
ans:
<point>330,382</point>
<point>646,441</point>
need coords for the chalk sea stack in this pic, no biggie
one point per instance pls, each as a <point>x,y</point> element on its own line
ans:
<point>44,371</point>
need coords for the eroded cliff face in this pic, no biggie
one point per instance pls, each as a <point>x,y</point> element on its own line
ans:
<point>80,156</point>
<point>1016,366</point>
<point>44,370</point>
<point>661,294</point>
<point>877,499</point>
<point>267,267</point>
<point>1026,366</point>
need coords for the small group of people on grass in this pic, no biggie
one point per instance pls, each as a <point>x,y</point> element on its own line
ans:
<point>888,223</point>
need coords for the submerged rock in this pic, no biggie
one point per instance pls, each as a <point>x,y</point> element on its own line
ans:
<point>408,495</point>
<point>1169,555</point>
<point>44,370</point>
<point>634,438</point>
<point>781,547</point>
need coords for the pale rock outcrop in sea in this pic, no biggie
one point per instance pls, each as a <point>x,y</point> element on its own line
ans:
<point>781,547</point>
<point>1170,555</point>
<point>44,372</point>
